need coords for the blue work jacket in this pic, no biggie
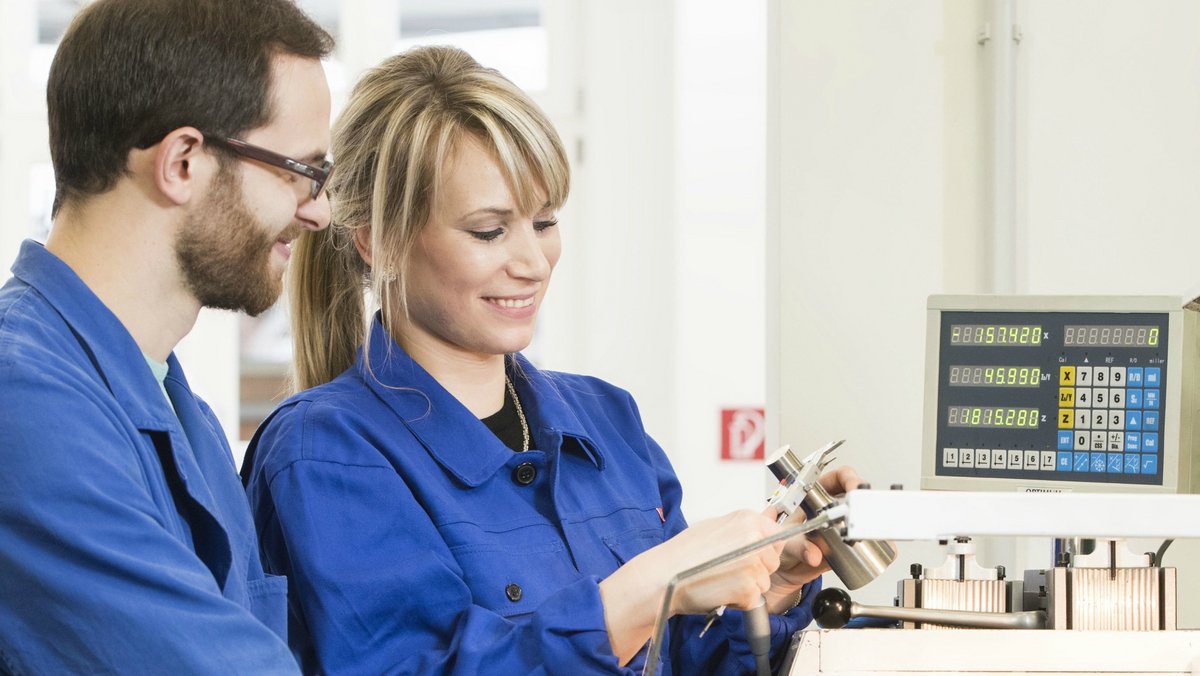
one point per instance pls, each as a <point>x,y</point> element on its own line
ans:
<point>415,541</point>
<point>126,543</point>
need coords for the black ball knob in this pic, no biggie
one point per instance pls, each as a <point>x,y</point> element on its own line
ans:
<point>831,608</point>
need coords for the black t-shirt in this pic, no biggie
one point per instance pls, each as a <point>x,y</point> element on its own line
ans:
<point>506,425</point>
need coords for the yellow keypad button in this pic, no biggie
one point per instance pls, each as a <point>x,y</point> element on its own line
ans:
<point>1066,397</point>
<point>1066,417</point>
<point>1066,376</point>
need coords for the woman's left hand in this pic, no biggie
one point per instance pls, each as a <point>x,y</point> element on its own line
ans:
<point>802,559</point>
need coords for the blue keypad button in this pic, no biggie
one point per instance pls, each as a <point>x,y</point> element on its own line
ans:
<point>1133,442</point>
<point>1063,462</point>
<point>1133,420</point>
<point>1153,376</point>
<point>1116,462</point>
<point>1133,398</point>
<point>1150,420</point>
<point>1150,400</point>
<point>1082,461</point>
<point>1149,464</point>
<point>1149,442</point>
<point>1099,462</point>
<point>1065,441</point>
<point>1133,376</point>
<point>1133,463</point>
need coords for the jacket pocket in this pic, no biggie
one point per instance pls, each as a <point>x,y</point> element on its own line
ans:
<point>268,602</point>
<point>513,580</point>
<point>628,544</point>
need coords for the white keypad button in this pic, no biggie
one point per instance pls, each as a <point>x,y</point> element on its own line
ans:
<point>1116,442</point>
<point>1083,420</point>
<point>1099,440</point>
<point>966,457</point>
<point>1099,420</point>
<point>1083,376</point>
<point>950,457</point>
<point>1031,460</point>
<point>1099,397</point>
<point>1082,440</point>
<point>1116,376</point>
<point>981,458</point>
<point>1100,376</point>
<point>1116,397</point>
<point>1083,397</point>
<point>999,458</point>
<point>1048,458</point>
<point>1015,458</point>
<point>1116,420</point>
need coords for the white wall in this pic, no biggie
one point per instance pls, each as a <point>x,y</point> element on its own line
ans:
<point>720,212</point>
<point>877,198</point>
<point>660,286</point>
<point>855,228</point>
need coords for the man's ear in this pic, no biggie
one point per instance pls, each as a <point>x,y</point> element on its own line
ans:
<point>180,164</point>
<point>362,242</point>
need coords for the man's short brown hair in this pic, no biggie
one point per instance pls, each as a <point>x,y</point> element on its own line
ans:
<point>128,72</point>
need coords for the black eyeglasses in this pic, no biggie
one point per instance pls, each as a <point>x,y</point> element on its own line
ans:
<point>317,174</point>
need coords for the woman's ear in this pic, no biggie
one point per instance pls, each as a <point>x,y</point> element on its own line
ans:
<point>362,242</point>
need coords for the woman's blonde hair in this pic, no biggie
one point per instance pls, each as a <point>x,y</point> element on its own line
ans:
<point>390,146</point>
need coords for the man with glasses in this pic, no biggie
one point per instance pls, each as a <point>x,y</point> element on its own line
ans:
<point>189,142</point>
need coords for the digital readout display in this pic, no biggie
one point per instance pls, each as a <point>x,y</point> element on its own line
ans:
<point>1008,417</point>
<point>1110,336</point>
<point>1007,335</point>
<point>995,376</point>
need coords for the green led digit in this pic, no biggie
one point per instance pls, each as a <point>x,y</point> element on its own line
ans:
<point>1154,336</point>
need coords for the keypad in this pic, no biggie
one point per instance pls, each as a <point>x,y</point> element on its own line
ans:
<point>1108,420</point>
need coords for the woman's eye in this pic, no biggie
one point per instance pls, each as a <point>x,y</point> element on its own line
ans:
<point>487,235</point>
<point>545,225</point>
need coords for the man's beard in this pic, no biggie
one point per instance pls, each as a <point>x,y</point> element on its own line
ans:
<point>224,252</point>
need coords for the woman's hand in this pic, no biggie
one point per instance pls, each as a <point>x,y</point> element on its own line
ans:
<point>802,559</point>
<point>632,595</point>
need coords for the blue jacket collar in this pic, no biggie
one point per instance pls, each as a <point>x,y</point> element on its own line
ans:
<point>113,351</point>
<point>462,444</point>
<point>120,364</point>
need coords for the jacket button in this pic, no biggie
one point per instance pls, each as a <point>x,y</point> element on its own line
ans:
<point>525,473</point>
<point>513,592</point>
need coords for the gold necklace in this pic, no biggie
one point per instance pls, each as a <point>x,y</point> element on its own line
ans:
<point>520,414</point>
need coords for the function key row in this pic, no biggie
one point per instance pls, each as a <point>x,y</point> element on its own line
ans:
<point>1109,397</point>
<point>1113,442</point>
<point>1050,461</point>
<point>1084,419</point>
<point>1109,376</point>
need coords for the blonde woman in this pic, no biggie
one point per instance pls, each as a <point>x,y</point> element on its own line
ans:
<point>439,504</point>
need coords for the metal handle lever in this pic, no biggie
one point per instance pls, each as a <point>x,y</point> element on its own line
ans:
<point>833,609</point>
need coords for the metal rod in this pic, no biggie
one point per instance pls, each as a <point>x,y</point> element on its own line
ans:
<point>828,518</point>
<point>1029,619</point>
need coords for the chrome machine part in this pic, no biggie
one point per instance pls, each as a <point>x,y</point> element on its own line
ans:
<point>855,563</point>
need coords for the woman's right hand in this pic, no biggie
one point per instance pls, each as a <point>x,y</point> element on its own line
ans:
<point>632,595</point>
<point>739,583</point>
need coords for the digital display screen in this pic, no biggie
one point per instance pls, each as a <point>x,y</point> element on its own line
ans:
<point>996,376</point>
<point>1008,417</point>
<point>1006,335</point>
<point>1110,336</point>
